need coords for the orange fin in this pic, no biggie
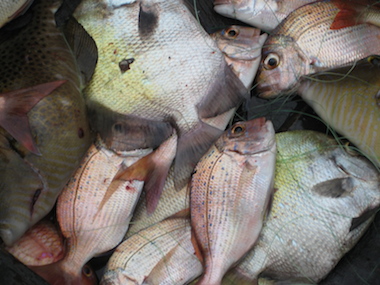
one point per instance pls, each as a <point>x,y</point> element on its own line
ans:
<point>16,104</point>
<point>183,214</point>
<point>191,147</point>
<point>354,13</point>
<point>197,249</point>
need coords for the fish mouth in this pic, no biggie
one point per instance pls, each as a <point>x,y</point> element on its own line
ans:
<point>266,91</point>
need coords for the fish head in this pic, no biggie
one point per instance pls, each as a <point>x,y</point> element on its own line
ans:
<point>53,274</point>
<point>248,137</point>
<point>281,67</point>
<point>259,13</point>
<point>241,47</point>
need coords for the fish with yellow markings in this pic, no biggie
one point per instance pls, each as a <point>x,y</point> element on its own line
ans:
<point>160,71</point>
<point>348,100</point>
<point>241,47</point>
<point>316,37</point>
<point>44,129</point>
<point>325,200</point>
<point>230,193</point>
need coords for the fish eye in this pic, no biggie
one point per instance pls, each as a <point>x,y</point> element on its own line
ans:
<point>374,60</point>
<point>237,130</point>
<point>232,33</point>
<point>87,271</point>
<point>271,61</point>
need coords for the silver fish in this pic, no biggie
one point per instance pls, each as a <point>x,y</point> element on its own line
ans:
<point>161,71</point>
<point>325,199</point>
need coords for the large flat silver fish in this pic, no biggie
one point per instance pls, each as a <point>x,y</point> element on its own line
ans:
<point>241,47</point>
<point>159,70</point>
<point>325,199</point>
<point>230,192</point>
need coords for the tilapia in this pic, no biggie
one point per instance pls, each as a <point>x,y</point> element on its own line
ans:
<point>241,47</point>
<point>348,100</point>
<point>152,256</point>
<point>230,192</point>
<point>10,9</point>
<point>161,71</point>
<point>313,38</point>
<point>94,211</point>
<point>325,199</point>
<point>263,14</point>
<point>42,146</point>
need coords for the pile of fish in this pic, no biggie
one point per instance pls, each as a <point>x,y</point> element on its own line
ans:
<point>121,137</point>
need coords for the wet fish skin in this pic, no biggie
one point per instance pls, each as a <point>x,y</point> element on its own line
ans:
<point>321,191</point>
<point>42,244</point>
<point>158,75</point>
<point>347,100</point>
<point>94,211</point>
<point>230,192</point>
<point>242,49</point>
<point>242,52</point>
<point>10,9</point>
<point>147,256</point>
<point>263,14</point>
<point>304,43</point>
<point>58,122</point>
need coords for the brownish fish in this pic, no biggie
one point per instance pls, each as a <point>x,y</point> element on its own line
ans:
<point>44,129</point>
<point>317,37</point>
<point>230,192</point>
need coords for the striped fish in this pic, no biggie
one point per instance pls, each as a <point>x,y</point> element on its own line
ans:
<point>348,100</point>
<point>41,149</point>
<point>316,37</point>
<point>230,192</point>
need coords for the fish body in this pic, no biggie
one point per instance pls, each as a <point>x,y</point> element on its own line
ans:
<point>152,256</point>
<point>306,42</point>
<point>348,100</point>
<point>42,244</point>
<point>94,211</point>
<point>324,201</point>
<point>263,14</point>
<point>42,145</point>
<point>160,71</point>
<point>11,9</point>
<point>230,192</point>
<point>241,47</point>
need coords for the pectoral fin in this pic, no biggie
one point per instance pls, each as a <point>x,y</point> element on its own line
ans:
<point>223,95</point>
<point>14,108</point>
<point>365,216</point>
<point>334,188</point>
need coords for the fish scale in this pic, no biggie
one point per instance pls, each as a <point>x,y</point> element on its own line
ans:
<point>160,70</point>
<point>322,190</point>
<point>345,98</point>
<point>305,42</point>
<point>229,195</point>
<point>37,53</point>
